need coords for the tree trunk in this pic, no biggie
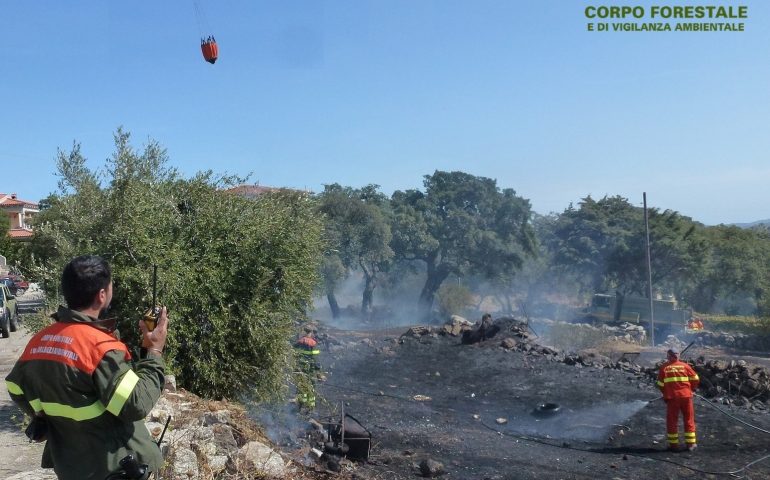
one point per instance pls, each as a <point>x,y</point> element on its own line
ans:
<point>370,281</point>
<point>333,304</point>
<point>436,276</point>
<point>366,301</point>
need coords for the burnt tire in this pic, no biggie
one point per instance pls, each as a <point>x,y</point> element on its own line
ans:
<point>545,410</point>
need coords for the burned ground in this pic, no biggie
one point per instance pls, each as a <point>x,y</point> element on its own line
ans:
<point>480,420</point>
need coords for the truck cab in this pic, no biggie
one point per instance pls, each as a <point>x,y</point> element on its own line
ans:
<point>613,309</point>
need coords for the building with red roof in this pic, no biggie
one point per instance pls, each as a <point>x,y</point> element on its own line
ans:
<point>20,213</point>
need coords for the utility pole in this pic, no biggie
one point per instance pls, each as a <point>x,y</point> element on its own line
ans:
<point>649,271</point>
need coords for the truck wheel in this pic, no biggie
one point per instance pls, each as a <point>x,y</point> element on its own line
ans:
<point>4,325</point>
<point>13,321</point>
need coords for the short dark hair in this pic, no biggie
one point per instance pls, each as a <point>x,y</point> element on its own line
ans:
<point>83,278</point>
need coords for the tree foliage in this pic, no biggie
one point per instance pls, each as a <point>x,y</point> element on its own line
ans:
<point>235,272</point>
<point>540,276</point>
<point>453,299</point>
<point>603,242</point>
<point>5,239</point>
<point>358,237</point>
<point>738,271</point>
<point>461,224</point>
<point>592,239</point>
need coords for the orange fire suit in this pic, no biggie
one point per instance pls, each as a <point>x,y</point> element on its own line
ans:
<point>677,380</point>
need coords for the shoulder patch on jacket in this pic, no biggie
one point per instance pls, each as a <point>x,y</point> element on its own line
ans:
<point>75,344</point>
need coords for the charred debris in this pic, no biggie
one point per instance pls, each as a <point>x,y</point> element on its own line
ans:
<point>343,437</point>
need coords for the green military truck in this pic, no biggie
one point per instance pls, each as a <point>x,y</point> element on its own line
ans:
<point>614,309</point>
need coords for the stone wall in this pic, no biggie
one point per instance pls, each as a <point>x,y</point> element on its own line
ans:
<point>740,341</point>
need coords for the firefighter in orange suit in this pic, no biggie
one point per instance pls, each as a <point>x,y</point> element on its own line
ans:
<point>695,324</point>
<point>677,380</point>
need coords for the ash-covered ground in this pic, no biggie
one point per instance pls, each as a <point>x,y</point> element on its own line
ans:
<point>480,420</point>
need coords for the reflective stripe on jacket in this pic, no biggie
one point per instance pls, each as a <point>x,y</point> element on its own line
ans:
<point>677,379</point>
<point>93,398</point>
<point>306,351</point>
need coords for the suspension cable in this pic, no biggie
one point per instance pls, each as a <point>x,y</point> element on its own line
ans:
<point>712,405</point>
<point>200,18</point>
<point>567,446</point>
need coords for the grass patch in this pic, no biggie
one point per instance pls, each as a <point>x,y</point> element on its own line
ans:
<point>737,324</point>
<point>570,337</point>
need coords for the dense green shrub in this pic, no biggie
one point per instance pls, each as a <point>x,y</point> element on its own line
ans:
<point>453,300</point>
<point>234,272</point>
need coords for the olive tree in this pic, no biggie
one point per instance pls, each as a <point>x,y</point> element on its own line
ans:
<point>5,239</point>
<point>234,272</point>
<point>461,225</point>
<point>358,237</point>
<point>602,242</point>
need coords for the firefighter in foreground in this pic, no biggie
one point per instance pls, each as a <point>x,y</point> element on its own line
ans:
<point>77,382</point>
<point>677,380</point>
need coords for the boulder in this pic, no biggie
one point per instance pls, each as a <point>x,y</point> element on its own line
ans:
<point>212,418</point>
<point>161,411</point>
<point>154,428</point>
<point>185,463</point>
<point>224,439</point>
<point>591,357</point>
<point>416,332</point>
<point>169,384</point>
<point>217,463</point>
<point>256,456</point>
<point>456,326</point>
<point>430,468</point>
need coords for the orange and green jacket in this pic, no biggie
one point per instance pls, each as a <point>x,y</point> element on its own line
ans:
<point>307,346</point>
<point>677,380</point>
<point>93,398</point>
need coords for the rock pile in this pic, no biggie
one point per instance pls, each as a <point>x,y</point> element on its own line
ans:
<point>627,331</point>
<point>205,439</point>
<point>740,341</point>
<point>736,382</point>
<point>456,326</point>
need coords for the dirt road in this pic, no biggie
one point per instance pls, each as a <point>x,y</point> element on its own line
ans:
<point>16,453</point>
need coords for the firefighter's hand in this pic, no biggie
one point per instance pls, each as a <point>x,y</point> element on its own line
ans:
<point>155,340</point>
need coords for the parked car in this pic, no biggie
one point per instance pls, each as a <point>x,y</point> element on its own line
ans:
<point>15,283</point>
<point>21,285</point>
<point>9,311</point>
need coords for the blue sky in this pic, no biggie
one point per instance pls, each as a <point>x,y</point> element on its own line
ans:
<point>310,92</point>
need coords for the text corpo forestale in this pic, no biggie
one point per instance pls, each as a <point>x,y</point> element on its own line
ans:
<point>666,11</point>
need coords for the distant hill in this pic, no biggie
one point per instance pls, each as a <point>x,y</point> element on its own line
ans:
<point>753,224</point>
